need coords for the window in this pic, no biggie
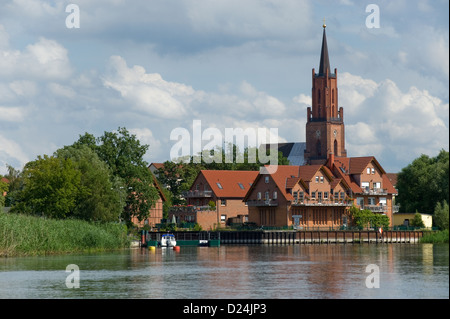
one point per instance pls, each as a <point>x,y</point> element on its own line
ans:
<point>313,195</point>
<point>197,187</point>
<point>266,179</point>
<point>321,179</point>
<point>266,195</point>
<point>259,196</point>
<point>295,196</point>
<point>223,218</point>
<point>376,185</point>
<point>301,196</point>
<point>342,195</point>
<point>383,201</point>
<point>317,179</point>
<point>319,196</point>
<point>365,186</point>
<point>373,170</point>
<point>360,201</point>
<point>371,200</point>
<point>219,185</point>
<point>325,195</point>
<point>241,186</point>
<point>275,195</point>
<point>223,202</point>
<point>368,170</point>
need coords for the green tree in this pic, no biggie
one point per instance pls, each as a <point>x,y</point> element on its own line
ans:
<point>51,187</point>
<point>364,218</point>
<point>123,153</point>
<point>423,183</point>
<point>103,196</point>
<point>417,220</point>
<point>440,216</point>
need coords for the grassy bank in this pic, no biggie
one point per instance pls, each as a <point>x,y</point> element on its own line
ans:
<point>28,235</point>
<point>435,238</point>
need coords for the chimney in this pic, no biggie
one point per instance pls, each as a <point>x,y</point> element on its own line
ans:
<point>330,160</point>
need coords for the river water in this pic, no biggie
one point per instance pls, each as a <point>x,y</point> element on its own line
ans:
<point>229,272</point>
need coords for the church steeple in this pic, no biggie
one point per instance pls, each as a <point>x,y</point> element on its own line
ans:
<point>325,131</point>
<point>324,65</point>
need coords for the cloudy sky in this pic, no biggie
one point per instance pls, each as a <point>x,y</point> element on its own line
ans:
<point>153,66</point>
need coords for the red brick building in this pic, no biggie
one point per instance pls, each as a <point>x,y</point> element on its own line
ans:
<point>319,194</point>
<point>215,199</point>
<point>325,130</point>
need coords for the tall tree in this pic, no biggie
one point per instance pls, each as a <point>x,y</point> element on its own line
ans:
<point>123,153</point>
<point>102,196</point>
<point>424,183</point>
<point>50,187</point>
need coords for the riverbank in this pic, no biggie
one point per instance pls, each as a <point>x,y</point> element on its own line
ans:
<point>22,235</point>
<point>436,238</point>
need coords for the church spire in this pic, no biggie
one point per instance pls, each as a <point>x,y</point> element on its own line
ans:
<point>324,59</point>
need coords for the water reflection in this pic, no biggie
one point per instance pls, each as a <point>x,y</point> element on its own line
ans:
<point>297,271</point>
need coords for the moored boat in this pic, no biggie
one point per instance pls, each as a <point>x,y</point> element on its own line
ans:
<point>168,240</point>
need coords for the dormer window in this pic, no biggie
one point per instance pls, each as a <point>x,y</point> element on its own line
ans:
<point>266,179</point>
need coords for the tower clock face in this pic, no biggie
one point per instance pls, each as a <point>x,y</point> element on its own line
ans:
<point>335,133</point>
<point>318,133</point>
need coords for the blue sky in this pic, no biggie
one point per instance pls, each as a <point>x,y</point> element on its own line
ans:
<point>155,65</point>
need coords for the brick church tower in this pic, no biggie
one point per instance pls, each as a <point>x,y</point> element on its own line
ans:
<point>325,131</point>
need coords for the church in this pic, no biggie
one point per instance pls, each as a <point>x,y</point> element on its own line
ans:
<point>322,182</point>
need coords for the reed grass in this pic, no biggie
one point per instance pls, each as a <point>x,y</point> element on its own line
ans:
<point>30,235</point>
<point>436,238</point>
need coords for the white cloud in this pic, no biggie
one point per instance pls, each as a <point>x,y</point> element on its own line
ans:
<point>11,153</point>
<point>43,59</point>
<point>384,121</point>
<point>148,93</point>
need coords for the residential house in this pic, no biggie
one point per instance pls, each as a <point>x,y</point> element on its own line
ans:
<point>215,199</point>
<point>319,196</point>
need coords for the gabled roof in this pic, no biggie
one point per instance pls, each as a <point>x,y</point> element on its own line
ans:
<point>392,178</point>
<point>307,172</point>
<point>229,182</point>
<point>358,164</point>
<point>388,185</point>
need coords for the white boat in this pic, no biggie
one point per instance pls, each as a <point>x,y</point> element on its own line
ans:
<point>168,240</point>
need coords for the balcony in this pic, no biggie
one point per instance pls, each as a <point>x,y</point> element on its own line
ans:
<point>322,202</point>
<point>197,194</point>
<point>377,208</point>
<point>374,191</point>
<point>262,203</point>
<point>190,209</point>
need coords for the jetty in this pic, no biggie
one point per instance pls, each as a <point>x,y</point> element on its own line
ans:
<point>284,237</point>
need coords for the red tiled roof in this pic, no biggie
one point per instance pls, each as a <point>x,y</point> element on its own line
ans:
<point>229,181</point>
<point>157,165</point>
<point>392,178</point>
<point>388,185</point>
<point>5,180</point>
<point>358,164</point>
